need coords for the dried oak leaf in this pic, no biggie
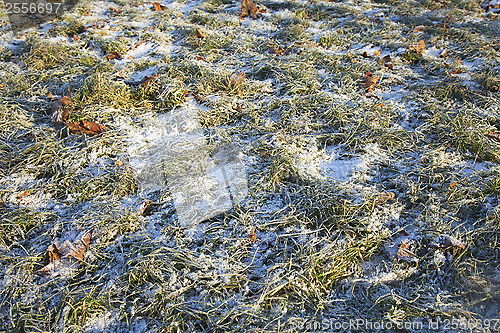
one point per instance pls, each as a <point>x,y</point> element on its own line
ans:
<point>384,197</point>
<point>23,194</point>
<point>457,71</point>
<point>113,55</point>
<point>236,79</point>
<point>419,48</point>
<point>276,49</point>
<point>64,257</point>
<point>157,7</point>
<point>385,59</point>
<point>115,10</point>
<point>199,33</point>
<point>85,127</point>
<point>368,81</point>
<point>252,236</point>
<point>419,29</point>
<point>444,242</point>
<point>147,208</point>
<point>147,79</point>
<point>248,8</point>
<point>405,250</point>
<point>60,109</point>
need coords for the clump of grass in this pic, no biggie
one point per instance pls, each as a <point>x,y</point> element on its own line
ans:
<point>171,93</point>
<point>282,165</point>
<point>15,121</point>
<point>411,56</point>
<point>120,45</point>
<point>5,54</point>
<point>299,77</point>
<point>82,309</point>
<point>101,90</point>
<point>490,82</point>
<point>467,132</point>
<point>17,223</point>
<point>313,270</point>
<point>493,185</point>
<point>45,55</point>
<point>74,28</point>
<point>42,159</point>
<point>117,183</point>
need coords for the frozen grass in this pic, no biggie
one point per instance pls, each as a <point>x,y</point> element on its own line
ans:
<point>336,173</point>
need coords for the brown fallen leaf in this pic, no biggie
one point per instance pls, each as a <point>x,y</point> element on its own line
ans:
<point>443,54</point>
<point>236,79</point>
<point>405,251</point>
<point>419,48</point>
<point>200,58</point>
<point>248,8</point>
<point>385,59</point>
<point>384,197</point>
<point>119,163</point>
<point>115,10</point>
<point>139,43</point>
<point>199,33</point>
<point>85,127</point>
<point>60,109</point>
<point>64,257</point>
<point>147,79</point>
<point>23,194</point>
<point>276,49</point>
<point>113,55</point>
<point>368,81</point>
<point>51,96</point>
<point>252,236</point>
<point>453,184</point>
<point>445,242</point>
<point>457,71</point>
<point>157,7</point>
<point>375,53</point>
<point>98,25</point>
<point>147,208</point>
<point>419,29</point>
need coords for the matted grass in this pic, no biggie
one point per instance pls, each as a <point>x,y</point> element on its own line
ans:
<point>338,172</point>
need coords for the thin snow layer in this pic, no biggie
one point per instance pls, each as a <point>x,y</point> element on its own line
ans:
<point>154,143</point>
<point>329,164</point>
